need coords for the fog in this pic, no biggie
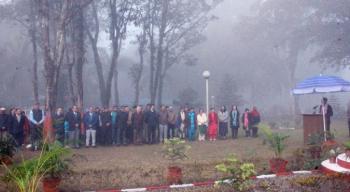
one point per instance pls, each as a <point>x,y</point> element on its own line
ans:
<point>257,56</point>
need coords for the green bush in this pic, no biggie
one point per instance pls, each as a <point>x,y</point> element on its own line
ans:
<point>175,149</point>
<point>240,173</point>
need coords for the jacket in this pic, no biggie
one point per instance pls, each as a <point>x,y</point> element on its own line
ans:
<point>91,121</point>
<point>73,119</point>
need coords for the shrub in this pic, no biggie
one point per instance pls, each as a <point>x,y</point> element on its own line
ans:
<point>240,173</point>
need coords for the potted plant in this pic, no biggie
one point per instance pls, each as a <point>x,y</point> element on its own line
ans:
<point>55,165</point>
<point>27,175</point>
<point>347,149</point>
<point>174,150</point>
<point>7,149</point>
<point>333,153</point>
<point>276,142</point>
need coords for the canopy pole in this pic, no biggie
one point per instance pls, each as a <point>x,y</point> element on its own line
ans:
<point>324,123</point>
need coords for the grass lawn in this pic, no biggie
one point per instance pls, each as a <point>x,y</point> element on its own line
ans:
<point>139,166</point>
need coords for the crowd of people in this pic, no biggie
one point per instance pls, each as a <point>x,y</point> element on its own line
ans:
<point>124,125</point>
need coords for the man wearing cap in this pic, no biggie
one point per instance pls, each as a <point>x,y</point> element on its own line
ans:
<point>36,118</point>
<point>5,121</point>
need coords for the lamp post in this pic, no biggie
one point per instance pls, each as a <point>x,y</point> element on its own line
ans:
<point>206,75</point>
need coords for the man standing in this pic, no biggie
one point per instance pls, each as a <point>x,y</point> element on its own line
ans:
<point>91,122</point>
<point>17,128</point>
<point>182,123</point>
<point>171,123</point>
<point>137,124</point>
<point>58,125</point>
<point>163,124</point>
<point>328,112</point>
<point>115,134</point>
<point>123,124</point>
<point>152,122</point>
<point>5,122</point>
<point>106,122</point>
<point>36,118</point>
<point>74,121</point>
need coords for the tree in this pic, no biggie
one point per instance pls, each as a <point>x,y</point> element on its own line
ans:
<point>228,93</point>
<point>121,14</point>
<point>173,28</point>
<point>26,13</point>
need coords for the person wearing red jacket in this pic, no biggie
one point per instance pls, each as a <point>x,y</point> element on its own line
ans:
<point>213,125</point>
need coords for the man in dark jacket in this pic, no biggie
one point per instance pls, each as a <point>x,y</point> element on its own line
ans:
<point>106,128</point>
<point>17,128</point>
<point>91,122</point>
<point>74,120</point>
<point>328,113</point>
<point>123,124</point>
<point>5,122</point>
<point>152,122</point>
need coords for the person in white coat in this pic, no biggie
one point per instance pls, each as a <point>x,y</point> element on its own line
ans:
<point>202,122</point>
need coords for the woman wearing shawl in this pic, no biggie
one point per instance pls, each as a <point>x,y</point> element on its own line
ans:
<point>234,121</point>
<point>223,122</point>
<point>191,125</point>
<point>202,122</point>
<point>213,125</point>
<point>246,122</point>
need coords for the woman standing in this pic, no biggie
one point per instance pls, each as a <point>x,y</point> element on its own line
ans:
<point>234,121</point>
<point>213,125</point>
<point>202,122</point>
<point>246,122</point>
<point>191,125</point>
<point>223,122</point>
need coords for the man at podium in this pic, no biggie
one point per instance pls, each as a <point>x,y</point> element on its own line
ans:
<point>328,112</point>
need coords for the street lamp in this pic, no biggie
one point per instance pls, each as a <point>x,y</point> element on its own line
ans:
<point>206,75</point>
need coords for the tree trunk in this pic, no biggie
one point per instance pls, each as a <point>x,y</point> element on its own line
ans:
<point>160,50</point>
<point>151,16</point>
<point>116,88</point>
<point>70,84</point>
<point>52,60</point>
<point>32,34</point>
<point>79,28</point>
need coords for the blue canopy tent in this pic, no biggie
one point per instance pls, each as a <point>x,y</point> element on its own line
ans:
<point>322,84</point>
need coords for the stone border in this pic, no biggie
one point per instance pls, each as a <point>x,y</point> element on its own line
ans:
<point>202,184</point>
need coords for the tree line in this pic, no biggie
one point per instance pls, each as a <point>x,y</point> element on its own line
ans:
<point>62,32</point>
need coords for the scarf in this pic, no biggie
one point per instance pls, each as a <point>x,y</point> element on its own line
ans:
<point>234,118</point>
<point>246,120</point>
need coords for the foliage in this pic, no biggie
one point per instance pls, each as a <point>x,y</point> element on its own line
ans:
<point>240,173</point>
<point>7,145</point>
<point>315,139</point>
<point>347,145</point>
<point>27,175</point>
<point>175,149</point>
<point>57,163</point>
<point>275,140</point>
<point>311,181</point>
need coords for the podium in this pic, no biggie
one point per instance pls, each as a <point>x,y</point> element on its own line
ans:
<point>312,124</point>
